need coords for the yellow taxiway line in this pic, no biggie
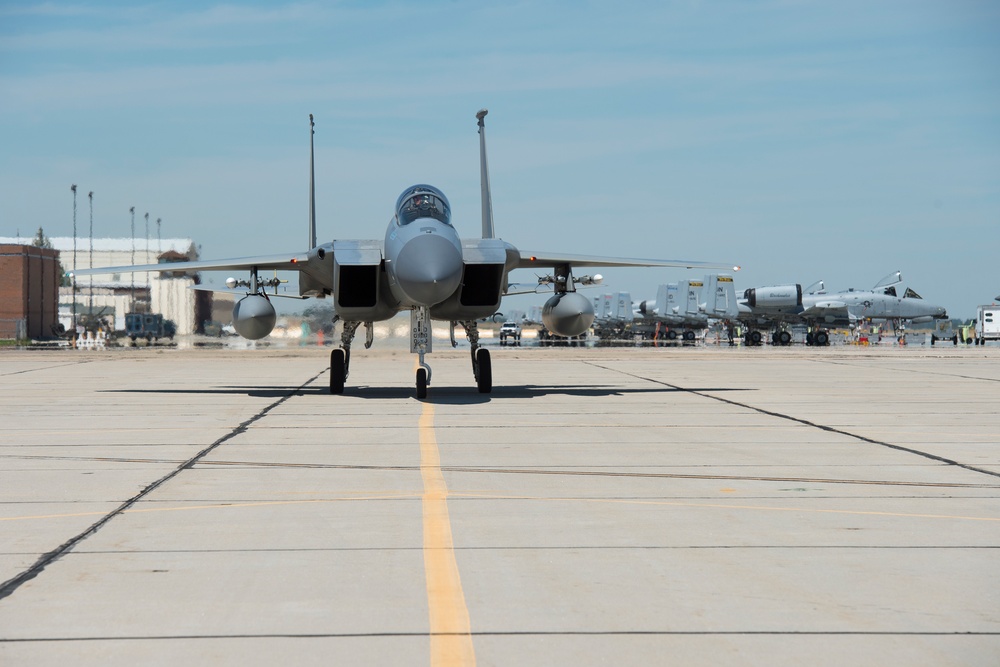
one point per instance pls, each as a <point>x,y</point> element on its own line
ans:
<point>451,638</point>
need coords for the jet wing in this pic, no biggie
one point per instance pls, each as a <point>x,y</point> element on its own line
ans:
<point>514,289</point>
<point>548,259</point>
<point>821,306</point>
<point>829,308</point>
<point>242,292</point>
<point>287,262</point>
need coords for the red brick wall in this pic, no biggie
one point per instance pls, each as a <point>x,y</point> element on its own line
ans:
<point>29,289</point>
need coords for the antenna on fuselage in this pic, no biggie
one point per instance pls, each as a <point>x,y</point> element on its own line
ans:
<point>312,185</point>
<point>484,177</point>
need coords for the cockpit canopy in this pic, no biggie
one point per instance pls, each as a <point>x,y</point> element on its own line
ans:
<point>908,294</point>
<point>422,201</point>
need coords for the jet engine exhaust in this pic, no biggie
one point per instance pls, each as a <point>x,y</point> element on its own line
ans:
<point>253,317</point>
<point>568,314</point>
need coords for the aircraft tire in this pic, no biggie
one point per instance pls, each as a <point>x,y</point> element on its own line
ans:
<point>755,338</point>
<point>338,371</point>
<point>784,338</point>
<point>484,381</point>
<point>822,338</point>
<point>421,383</point>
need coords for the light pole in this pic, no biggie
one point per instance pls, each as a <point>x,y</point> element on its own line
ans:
<point>90,195</point>
<point>149,297</point>
<point>72,280</point>
<point>131,305</point>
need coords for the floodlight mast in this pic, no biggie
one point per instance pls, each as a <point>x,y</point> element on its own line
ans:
<point>132,303</point>
<point>73,280</point>
<point>90,305</point>
<point>312,185</point>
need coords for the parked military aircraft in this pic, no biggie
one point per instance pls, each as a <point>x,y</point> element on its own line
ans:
<point>778,306</point>
<point>421,265</point>
<point>689,305</point>
<point>679,309</point>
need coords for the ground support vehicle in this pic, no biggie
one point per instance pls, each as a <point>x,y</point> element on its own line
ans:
<point>987,323</point>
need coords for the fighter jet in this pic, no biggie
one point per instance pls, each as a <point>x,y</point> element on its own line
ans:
<point>778,306</point>
<point>421,265</point>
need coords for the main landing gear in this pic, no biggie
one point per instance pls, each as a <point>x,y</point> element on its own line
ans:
<point>340,358</point>
<point>482,367</point>
<point>420,344</point>
<point>338,370</point>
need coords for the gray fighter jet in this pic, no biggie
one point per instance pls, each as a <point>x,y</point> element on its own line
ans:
<point>421,265</point>
<point>778,306</point>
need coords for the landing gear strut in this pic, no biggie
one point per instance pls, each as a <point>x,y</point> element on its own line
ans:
<point>420,344</point>
<point>340,358</point>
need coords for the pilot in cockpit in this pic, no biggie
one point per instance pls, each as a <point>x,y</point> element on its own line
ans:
<point>424,205</point>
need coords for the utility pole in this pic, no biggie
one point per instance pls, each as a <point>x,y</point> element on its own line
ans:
<point>159,241</point>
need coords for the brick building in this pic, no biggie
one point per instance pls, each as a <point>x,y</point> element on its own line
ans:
<point>29,291</point>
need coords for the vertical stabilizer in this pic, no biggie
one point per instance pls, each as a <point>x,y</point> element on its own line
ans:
<point>602,306</point>
<point>693,297</point>
<point>683,298</point>
<point>484,178</point>
<point>720,297</point>
<point>623,307</point>
<point>673,307</point>
<point>312,186</point>
<point>661,300</point>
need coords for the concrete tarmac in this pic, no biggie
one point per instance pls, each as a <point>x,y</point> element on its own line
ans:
<point>601,507</point>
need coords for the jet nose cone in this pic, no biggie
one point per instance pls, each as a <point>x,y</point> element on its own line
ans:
<point>429,269</point>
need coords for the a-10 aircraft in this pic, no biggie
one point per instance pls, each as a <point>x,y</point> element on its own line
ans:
<point>421,265</point>
<point>778,306</point>
<point>690,304</point>
<point>680,308</point>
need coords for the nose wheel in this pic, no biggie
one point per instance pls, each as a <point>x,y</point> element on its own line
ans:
<point>421,383</point>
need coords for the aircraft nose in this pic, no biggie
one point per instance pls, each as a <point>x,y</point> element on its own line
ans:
<point>429,269</point>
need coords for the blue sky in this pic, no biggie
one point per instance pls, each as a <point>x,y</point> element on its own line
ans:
<point>803,140</point>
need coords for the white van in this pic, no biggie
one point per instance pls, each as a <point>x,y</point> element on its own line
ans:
<point>987,323</point>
